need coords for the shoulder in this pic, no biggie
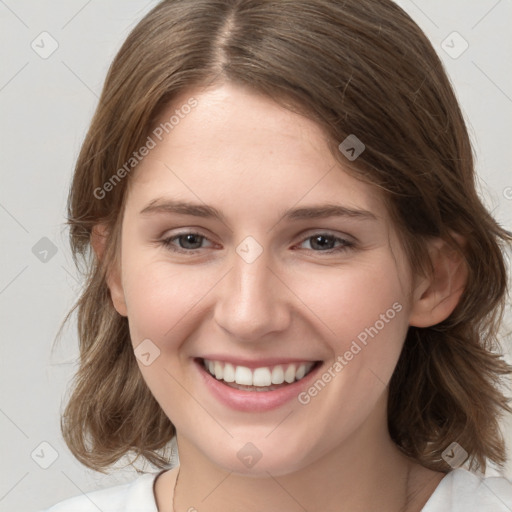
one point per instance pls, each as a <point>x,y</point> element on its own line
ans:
<point>134,496</point>
<point>464,491</point>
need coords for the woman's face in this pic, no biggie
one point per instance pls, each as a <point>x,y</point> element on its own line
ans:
<point>246,244</point>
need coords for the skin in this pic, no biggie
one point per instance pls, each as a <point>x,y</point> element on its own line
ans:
<point>252,160</point>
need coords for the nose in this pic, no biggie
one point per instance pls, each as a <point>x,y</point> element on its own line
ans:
<point>252,300</point>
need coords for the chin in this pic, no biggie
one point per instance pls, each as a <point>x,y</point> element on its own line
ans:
<point>258,461</point>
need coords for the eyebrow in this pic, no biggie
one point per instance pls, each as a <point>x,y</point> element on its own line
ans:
<point>162,205</point>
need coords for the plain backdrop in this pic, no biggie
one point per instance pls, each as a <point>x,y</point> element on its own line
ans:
<point>46,103</point>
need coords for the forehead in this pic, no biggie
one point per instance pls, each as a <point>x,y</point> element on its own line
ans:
<point>241,151</point>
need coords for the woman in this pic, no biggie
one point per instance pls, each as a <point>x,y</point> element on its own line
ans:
<point>292,274</point>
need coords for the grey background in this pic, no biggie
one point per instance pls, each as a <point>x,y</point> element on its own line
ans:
<point>46,105</point>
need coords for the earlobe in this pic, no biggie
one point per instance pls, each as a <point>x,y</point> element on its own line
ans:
<point>99,238</point>
<point>436,296</point>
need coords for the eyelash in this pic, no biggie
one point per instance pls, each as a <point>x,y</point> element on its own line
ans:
<point>346,244</point>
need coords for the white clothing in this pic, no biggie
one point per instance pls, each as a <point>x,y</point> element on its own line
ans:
<point>458,491</point>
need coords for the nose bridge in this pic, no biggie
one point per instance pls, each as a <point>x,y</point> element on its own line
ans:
<point>251,301</point>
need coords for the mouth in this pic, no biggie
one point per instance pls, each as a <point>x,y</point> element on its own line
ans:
<point>258,379</point>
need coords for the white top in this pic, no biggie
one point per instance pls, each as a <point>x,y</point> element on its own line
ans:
<point>458,491</point>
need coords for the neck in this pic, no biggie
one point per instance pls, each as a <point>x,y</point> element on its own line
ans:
<point>351,478</point>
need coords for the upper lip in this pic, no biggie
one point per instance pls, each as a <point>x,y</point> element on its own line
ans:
<point>255,363</point>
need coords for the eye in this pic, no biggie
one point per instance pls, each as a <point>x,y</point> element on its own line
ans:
<point>326,242</point>
<point>188,242</point>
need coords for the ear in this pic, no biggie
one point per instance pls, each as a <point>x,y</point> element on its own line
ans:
<point>436,296</point>
<point>99,238</point>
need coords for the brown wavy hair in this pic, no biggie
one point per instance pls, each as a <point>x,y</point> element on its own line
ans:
<point>354,67</point>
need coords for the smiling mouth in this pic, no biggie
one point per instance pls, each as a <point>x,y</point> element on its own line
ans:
<point>264,378</point>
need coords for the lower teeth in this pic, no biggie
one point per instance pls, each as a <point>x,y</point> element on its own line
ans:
<point>243,387</point>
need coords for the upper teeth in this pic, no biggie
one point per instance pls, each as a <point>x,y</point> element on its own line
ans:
<point>263,376</point>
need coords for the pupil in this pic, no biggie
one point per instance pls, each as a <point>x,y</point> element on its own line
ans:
<point>322,242</point>
<point>193,240</point>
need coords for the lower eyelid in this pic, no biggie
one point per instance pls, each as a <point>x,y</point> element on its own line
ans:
<point>168,243</point>
<point>343,242</point>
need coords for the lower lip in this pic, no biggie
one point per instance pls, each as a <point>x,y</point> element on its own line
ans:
<point>254,401</point>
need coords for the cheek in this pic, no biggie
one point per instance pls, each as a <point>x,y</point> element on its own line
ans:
<point>362,313</point>
<point>162,298</point>
<point>366,304</point>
